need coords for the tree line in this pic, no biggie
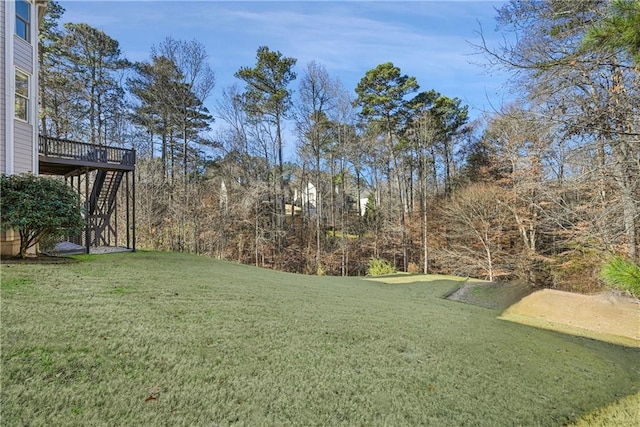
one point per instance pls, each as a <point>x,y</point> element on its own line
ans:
<point>542,190</point>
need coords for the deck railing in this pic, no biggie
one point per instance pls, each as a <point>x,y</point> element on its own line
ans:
<point>67,149</point>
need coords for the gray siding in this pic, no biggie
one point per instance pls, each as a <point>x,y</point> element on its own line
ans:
<point>3,93</point>
<point>23,54</point>
<point>23,147</point>
<point>22,132</point>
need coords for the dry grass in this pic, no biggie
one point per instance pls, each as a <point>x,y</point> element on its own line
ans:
<point>170,339</point>
<point>626,412</point>
<point>420,278</point>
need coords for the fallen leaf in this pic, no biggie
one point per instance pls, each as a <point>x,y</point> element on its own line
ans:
<point>150,398</point>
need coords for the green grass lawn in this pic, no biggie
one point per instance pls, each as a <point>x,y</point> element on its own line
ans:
<point>170,339</point>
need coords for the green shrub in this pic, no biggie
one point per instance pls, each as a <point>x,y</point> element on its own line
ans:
<point>622,274</point>
<point>379,267</point>
<point>38,208</point>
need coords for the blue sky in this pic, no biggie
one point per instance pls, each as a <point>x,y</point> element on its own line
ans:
<point>428,40</point>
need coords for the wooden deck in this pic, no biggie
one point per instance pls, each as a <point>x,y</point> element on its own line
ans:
<point>64,157</point>
<point>101,175</point>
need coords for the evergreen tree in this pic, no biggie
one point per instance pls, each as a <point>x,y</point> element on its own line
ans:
<point>93,61</point>
<point>51,78</point>
<point>381,96</point>
<point>268,98</point>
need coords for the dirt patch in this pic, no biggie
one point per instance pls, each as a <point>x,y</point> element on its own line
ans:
<point>406,278</point>
<point>608,316</point>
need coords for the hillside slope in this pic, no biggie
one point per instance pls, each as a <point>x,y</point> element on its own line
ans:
<point>172,339</point>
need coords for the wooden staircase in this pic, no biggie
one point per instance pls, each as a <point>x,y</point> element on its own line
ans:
<point>102,203</point>
<point>97,173</point>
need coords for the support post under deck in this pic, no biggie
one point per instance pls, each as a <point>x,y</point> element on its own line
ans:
<point>87,232</point>
<point>134,210</point>
<point>128,207</point>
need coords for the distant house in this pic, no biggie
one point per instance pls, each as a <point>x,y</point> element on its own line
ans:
<point>307,197</point>
<point>97,173</point>
<point>363,205</point>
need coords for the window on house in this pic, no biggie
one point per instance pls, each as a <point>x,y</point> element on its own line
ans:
<point>23,19</point>
<point>22,95</point>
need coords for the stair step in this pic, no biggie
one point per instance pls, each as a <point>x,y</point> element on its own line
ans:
<point>103,199</point>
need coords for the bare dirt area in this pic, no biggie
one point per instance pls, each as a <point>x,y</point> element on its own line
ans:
<point>608,316</point>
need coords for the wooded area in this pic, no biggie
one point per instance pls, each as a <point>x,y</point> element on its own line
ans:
<point>544,190</point>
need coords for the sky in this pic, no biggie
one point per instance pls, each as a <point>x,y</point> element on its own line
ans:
<point>425,39</point>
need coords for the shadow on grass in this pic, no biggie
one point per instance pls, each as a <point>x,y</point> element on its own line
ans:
<point>493,295</point>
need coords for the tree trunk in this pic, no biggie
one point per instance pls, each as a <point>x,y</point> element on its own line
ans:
<point>423,209</point>
<point>318,210</point>
<point>631,214</point>
<point>403,225</point>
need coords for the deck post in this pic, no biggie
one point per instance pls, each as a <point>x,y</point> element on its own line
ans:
<point>127,194</point>
<point>133,188</point>
<point>87,231</point>
<point>115,225</point>
<point>78,241</point>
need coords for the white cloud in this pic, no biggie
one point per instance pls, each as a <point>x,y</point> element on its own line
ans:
<point>427,40</point>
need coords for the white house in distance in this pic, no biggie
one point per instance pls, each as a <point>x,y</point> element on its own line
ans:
<point>309,198</point>
<point>19,22</point>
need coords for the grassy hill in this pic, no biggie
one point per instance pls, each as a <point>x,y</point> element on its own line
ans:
<point>171,339</point>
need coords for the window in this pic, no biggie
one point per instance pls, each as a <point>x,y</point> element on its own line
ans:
<point>22,95</point>
<point>23,19</point>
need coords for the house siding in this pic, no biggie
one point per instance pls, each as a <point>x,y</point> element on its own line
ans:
<point>23,54</point>
<point>3,92</point>
<point>23,147</point>
<point>17,138</point>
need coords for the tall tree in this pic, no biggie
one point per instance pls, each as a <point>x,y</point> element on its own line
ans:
<point>94,58</point>
<point>151,85</point>
<point>50,77</point>
<point>382,97</point>
<point>167,108</point>
<point>268,98</point>
<point>346,137</point>
<point>450,116</point>
<point>240,138</point>
<point>422,133</point>
<point>317,100</point>
<point>195,83</point>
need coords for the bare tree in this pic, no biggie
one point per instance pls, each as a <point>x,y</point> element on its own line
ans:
<point>317,101</point>
<point>479,228</point>
<point>590,91</point>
